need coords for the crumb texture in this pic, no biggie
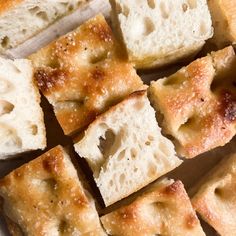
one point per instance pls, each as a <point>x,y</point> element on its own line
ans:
<point>126,139</point>
<point>158,32</point>
<point>21,117</point>
<point>30,17</point>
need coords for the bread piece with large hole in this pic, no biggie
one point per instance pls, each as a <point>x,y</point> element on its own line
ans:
<point>21,117</point>
<point>83,73</point>
<point>163,209</point>
<point>46,197</point>
<point>197,104</point>
<point>125,149</point>
<point>215,197</point>
<point>22,19</point>
<point>160,32</point>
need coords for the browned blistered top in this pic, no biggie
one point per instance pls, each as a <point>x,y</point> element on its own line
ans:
<point>163,210</point>
<point>6,5</point>
<point>215,199</point>
<point>84,73</point>
<point>45,196</point>
<point>198,103</point>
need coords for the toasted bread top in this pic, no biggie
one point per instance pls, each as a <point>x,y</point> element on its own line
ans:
<point>198,103</point>
<point>46,196</point>
<point>164,209</point>
<point>215,199</point>
<point>83,73</point>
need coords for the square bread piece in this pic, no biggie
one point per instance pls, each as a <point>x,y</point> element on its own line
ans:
<point>215,200</point>
<point>197,104</point>
<point>45,197</point>
<point>21,117</point>
<point>164,209</point>
<point>224,21</point>
<point>84,73</point>
<point>125,149</point>
<point>159,32</point>
<point>22,19</point>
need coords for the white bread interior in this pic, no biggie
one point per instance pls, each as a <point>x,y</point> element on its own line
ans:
<point>20,20</point>
<point>21,117</point>
<point>159,32</point>
<point>125,149</point>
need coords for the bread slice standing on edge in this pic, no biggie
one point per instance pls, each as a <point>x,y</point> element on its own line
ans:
<point>215,199</point>
<point>125,149</point>
<point>21,117</point>
<point>45,197</point>
<point>197,104</point>
<point>159,32</point>
<point>22,19</point>
<point>224,22</point>
<point>163,209</point>
<point>83,73</point>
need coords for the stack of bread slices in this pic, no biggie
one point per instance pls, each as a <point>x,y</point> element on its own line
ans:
<point>125,136</point>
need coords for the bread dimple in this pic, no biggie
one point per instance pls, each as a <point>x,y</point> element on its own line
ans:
<point>49,188</point>
<point>215,198</point>
<point>83,73</point>
<point>128,139</point>
<point>164,209</point>
<point>202,97</point>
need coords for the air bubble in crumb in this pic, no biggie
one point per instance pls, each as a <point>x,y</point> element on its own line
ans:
<point>151,4</point>
<point>149,26</point>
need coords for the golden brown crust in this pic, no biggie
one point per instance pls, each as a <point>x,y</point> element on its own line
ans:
<point>164,209</point>
<point>224,21</point>
<point>47,187</point>
<point>198,103</point>
<point>13,228</point>
<point>84,73</point>
<point>6,5</point>
<point>215,200</point>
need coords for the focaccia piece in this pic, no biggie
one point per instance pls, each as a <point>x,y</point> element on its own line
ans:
<point>84,73</point>
<point>46,197</point>
<point>125,149</point>
<point>197,104</point>
<point>224,21</point>
<point>164,209</point>
<point>159,32</point>
<point>215,200</point>
<point>21,117</point>
<point>22,19</point>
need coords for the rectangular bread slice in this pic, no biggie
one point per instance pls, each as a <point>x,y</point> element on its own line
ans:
<point>46,197</point>
<point>83,73</point>
<point>21,117</point>
<point>22,19</point>
<point>197,104</point>
<point>215,199</point>
<point>125,149</point>
<point>159,32</point>
<point>224,21</point>
<point>164,209</point>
